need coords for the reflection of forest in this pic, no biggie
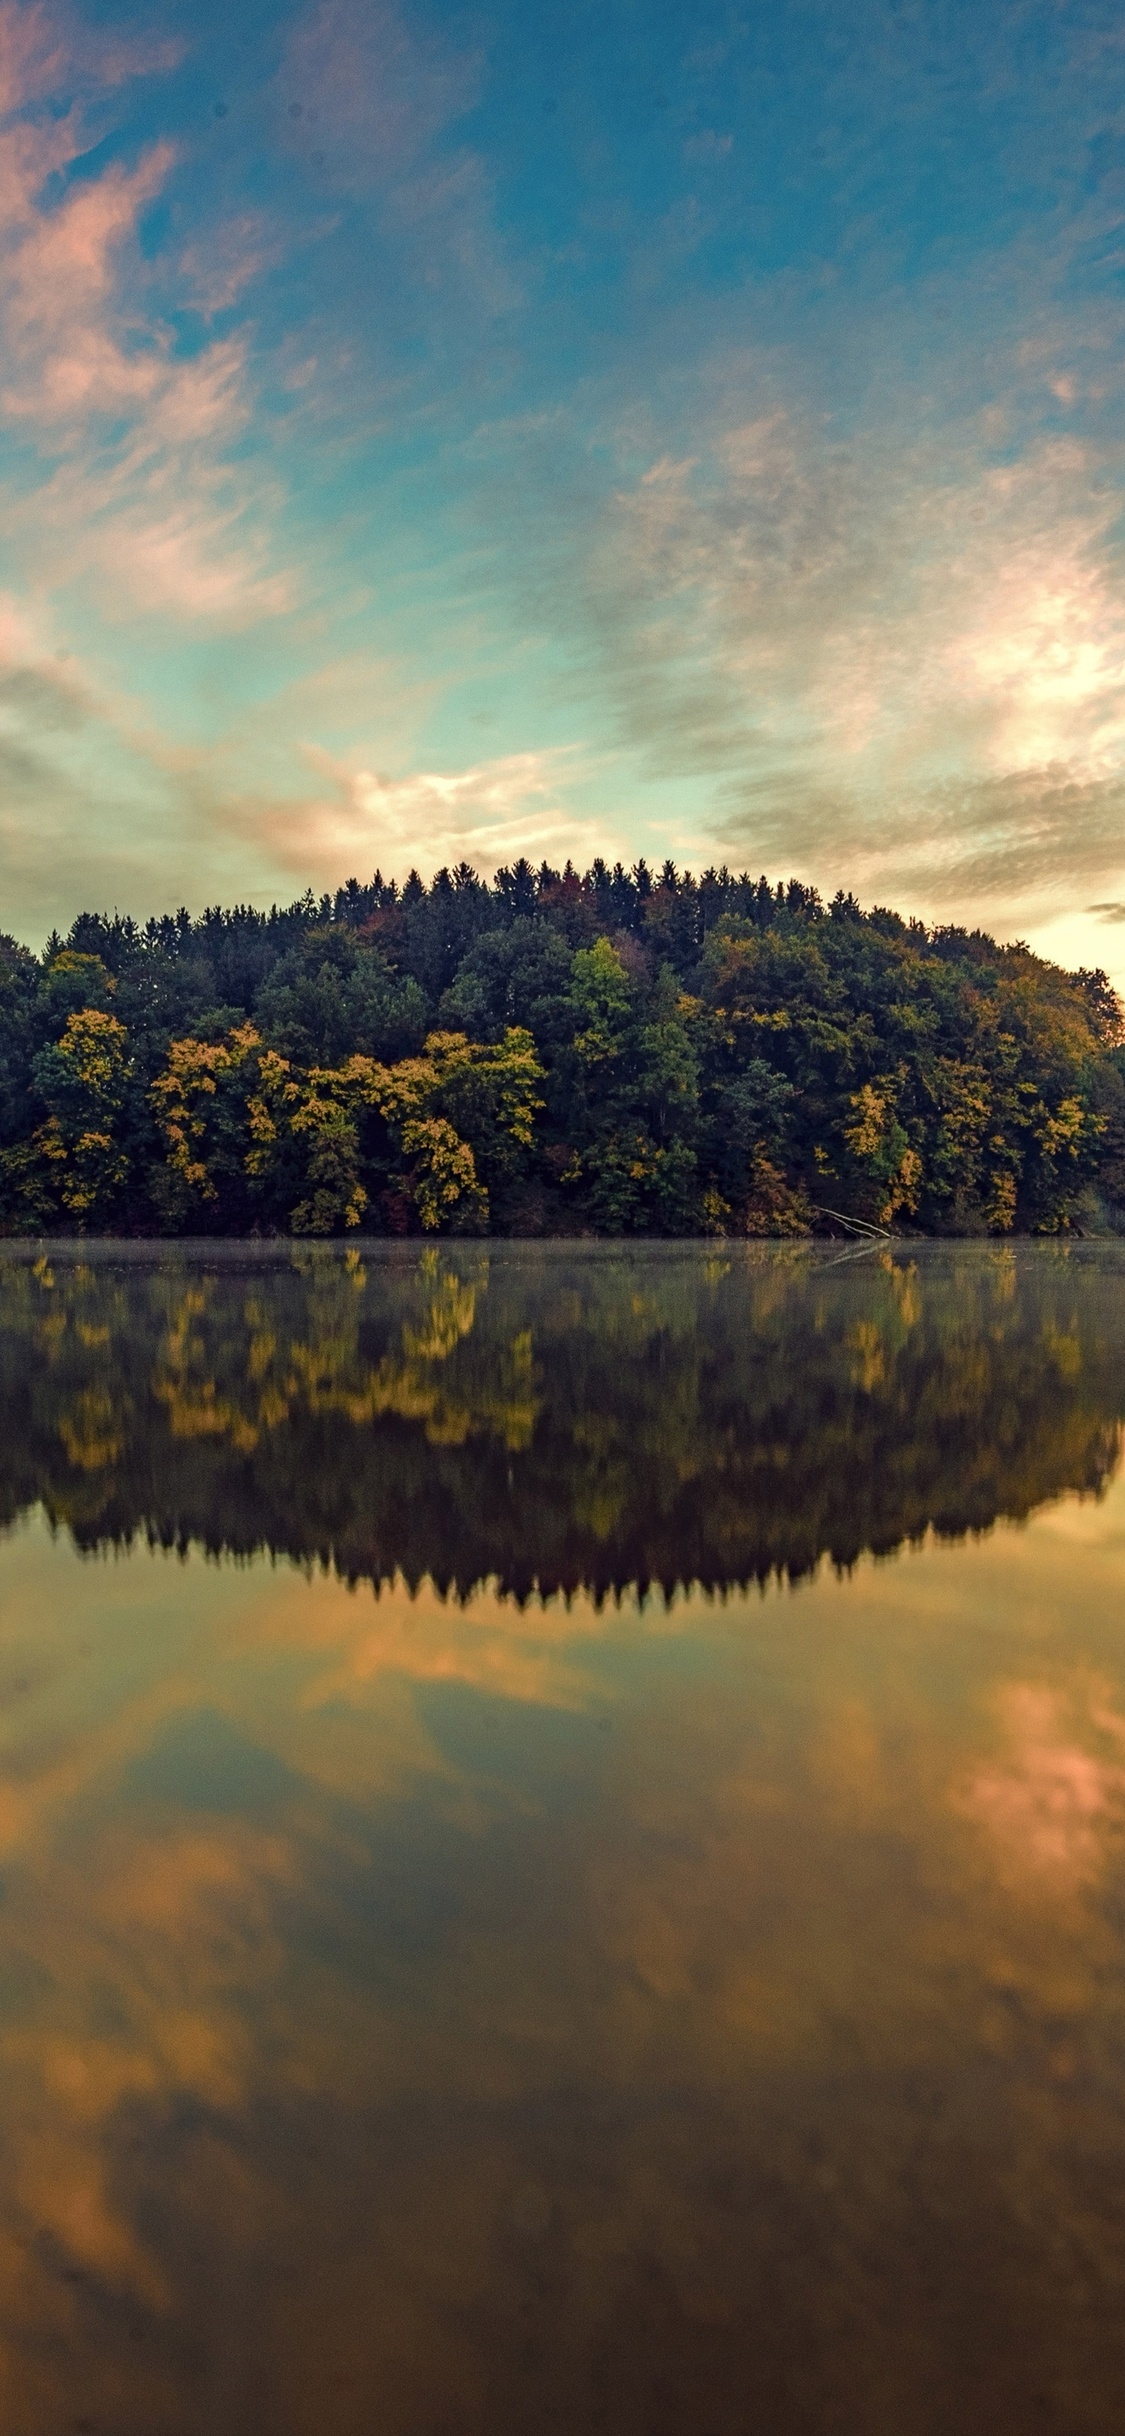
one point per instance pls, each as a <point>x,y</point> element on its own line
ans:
<point>663,1416</point>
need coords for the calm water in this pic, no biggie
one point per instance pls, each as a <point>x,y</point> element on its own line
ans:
<point>562,1842</point>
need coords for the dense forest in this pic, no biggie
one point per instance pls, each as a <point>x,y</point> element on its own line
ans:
<point>554,1053</point>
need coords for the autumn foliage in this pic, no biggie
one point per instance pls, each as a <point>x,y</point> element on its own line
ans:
<point>614,1053</point>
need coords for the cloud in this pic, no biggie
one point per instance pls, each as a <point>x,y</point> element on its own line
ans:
<point>486,815</point>
<point>852,605</point>
<point>216,273</point>
<point>64,360</point>
<point>366,104</point>
<point>43,47</point>
<point>968,847</point>
<point>95,808</point>
<point>872,610</point>
<point>899,655</point>
<point>133,481</point>
<point>100,807</point>
<point>373,94</point>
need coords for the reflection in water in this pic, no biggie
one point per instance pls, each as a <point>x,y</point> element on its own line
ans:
<point>534,1418</point>
<point>1062,1781</point>
<point>456,2016</point>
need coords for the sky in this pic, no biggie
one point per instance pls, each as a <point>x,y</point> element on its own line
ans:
<point>434,432</point>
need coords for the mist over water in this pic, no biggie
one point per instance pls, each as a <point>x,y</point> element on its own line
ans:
<point>561,1825</point>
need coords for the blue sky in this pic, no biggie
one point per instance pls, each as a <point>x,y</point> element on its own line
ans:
<point>430,432</point>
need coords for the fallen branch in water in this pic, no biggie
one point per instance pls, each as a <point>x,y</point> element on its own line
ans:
<point>859,1226</point>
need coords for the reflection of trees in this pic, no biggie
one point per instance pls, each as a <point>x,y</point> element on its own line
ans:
<point>555,1419</point>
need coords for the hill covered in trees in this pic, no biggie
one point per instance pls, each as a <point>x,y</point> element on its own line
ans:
<point>555,1053</point>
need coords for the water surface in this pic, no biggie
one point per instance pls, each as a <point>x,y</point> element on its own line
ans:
<point>561,1836</point>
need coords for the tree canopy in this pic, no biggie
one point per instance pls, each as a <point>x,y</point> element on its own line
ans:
<point>555,1053</point>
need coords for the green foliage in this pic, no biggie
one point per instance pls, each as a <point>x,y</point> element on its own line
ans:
<point>332,998</point>
<point>617,1053</point>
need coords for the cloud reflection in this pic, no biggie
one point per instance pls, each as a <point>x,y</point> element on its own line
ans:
<point>324,1942</point>
<point>1054,1807</point>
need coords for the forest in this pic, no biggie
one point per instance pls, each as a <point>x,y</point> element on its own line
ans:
<point>555,1053</point>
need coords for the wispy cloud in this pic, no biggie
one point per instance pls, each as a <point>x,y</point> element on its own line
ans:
<point>141,494</point>
<point>367,106</point>
<point>97,800</point>
<point>79,803</point>
<point>216,272</point>
<point>825,562</point>
<point>900,657</point>
<point>132,436</point>
<point>356,87</point>
<point>485,815</point>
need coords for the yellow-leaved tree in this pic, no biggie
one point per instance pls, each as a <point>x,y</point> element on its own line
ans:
<point>78,1159</point>
<point>244,1127</point>
<point>219,1107</point>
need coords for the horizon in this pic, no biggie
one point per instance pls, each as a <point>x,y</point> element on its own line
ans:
<point>427,435</point>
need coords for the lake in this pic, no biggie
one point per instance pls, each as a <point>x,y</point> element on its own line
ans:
<point>562,1840</point>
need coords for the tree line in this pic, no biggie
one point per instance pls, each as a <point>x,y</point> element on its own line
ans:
<point>612,1052</point>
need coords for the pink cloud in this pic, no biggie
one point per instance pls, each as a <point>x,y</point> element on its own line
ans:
<point>31,55</point>
<point>58,289</point>
<point>487,815</point>
<point>217,274</point>
<point>142,493</point>
<point>44,49</point>
<point>373,96</point>
<point>1054,1801</point>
